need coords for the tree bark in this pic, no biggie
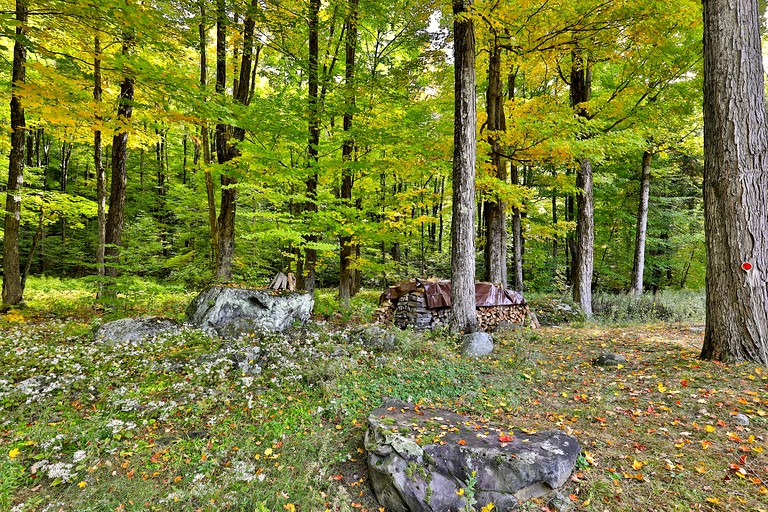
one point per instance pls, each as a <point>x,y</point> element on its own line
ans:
<point>517,237</point>
<point>98,164</point>
<point>464,158</point>
<point>496,208</point>
<point>641,230</point>
<point>206,144</point>
<point>13,290</point>
<point>307,263</point>
<point>116,216</point>
<point>581,83</point>
<point>347,249</point>
<point>735,183</point>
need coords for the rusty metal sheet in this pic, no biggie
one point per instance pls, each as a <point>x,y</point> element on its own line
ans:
<point>487,294</point>
<point>438,293</point>
<point>397,291</point>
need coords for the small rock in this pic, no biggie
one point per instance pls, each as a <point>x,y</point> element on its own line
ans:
<point>609,360</point>
<point>477,344</point>
<point>556,502</point>
<point>741,419</point>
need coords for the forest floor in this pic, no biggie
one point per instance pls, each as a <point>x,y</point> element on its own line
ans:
<point>174,424</point>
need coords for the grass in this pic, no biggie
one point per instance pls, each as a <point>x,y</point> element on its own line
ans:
<point>175,424</point>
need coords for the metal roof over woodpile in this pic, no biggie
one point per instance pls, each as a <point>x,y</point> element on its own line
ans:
<point>438,293</point>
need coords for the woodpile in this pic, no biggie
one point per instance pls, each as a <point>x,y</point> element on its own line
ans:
<point>425,304</point>
<point>386,312</point>
<point>488,318</point>
<point>283,281</point>
<point>411,311</point>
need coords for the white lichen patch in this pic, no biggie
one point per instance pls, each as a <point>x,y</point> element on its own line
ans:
<point>546,445</point>
<point>527,457</point>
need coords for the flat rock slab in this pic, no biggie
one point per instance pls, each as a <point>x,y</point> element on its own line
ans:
<point>231,312</point>
<point>420,458</point>
<point>135,330</point>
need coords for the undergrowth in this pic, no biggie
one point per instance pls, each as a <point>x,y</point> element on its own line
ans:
<point>276,422</point>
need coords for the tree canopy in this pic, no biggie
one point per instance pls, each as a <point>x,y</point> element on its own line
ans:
<point>336,121</point>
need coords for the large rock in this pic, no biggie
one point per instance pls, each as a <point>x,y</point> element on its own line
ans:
<point>419,459</point>
<point>135,330</point>
<point>231,312</point>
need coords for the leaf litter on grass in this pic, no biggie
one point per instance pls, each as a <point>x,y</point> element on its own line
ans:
<point>660,431</point>
<point>175,423</point>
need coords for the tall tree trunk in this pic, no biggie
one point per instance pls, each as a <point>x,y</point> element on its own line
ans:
<point>347,250</point>
<point>735,183</point>
<point>116,215</point>
<point>581,83</point>
<point>517,237</point>
<point>13,290</point>
<point>641,230</point>
<point>554,227</point>
<point>98,164</point>
<point>306,266</point>
<point>224,152</point>
<point>206,144</point>
<point>464,157</point>
<point>495,208</point>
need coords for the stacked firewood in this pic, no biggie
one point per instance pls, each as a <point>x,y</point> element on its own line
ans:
<point>491,316</point>
<point>412,311</point>
<point>386,312</point>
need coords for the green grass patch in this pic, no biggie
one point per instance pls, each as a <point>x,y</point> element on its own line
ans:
<point>175,423</point>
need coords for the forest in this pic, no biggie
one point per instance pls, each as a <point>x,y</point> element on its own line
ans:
<point>554,147</point>
<point>229,141</point>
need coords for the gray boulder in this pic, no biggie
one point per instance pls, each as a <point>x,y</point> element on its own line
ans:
<point>231,312</point>
<point>605,360</point>
<point>420,458</point>
<point>477,344</point>
<point>135,330</point>
<point>377,338</point>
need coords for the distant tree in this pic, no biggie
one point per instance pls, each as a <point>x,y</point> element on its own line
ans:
<point>13,290</point>
<point>347,248</point>
<point>464,158</point>
<point>116,215</point>
<point>735,183</point>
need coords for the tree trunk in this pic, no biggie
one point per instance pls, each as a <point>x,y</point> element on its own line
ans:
<point>585,238</point>
<point>116,216</point>
<point>642,226</point>
<point>496,209</point>
<point>347,249</point>
<point>306,277</point>
<point>735,183</point>
<point>464,157</point>
<point>224,152</point>
<point>517,237</point>
<point>581,82</point>
<point>205,142</point>
<point>13,290</point>
<point>98,164</point>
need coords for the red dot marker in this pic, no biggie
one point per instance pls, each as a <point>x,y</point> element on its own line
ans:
<point>746,266</point>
